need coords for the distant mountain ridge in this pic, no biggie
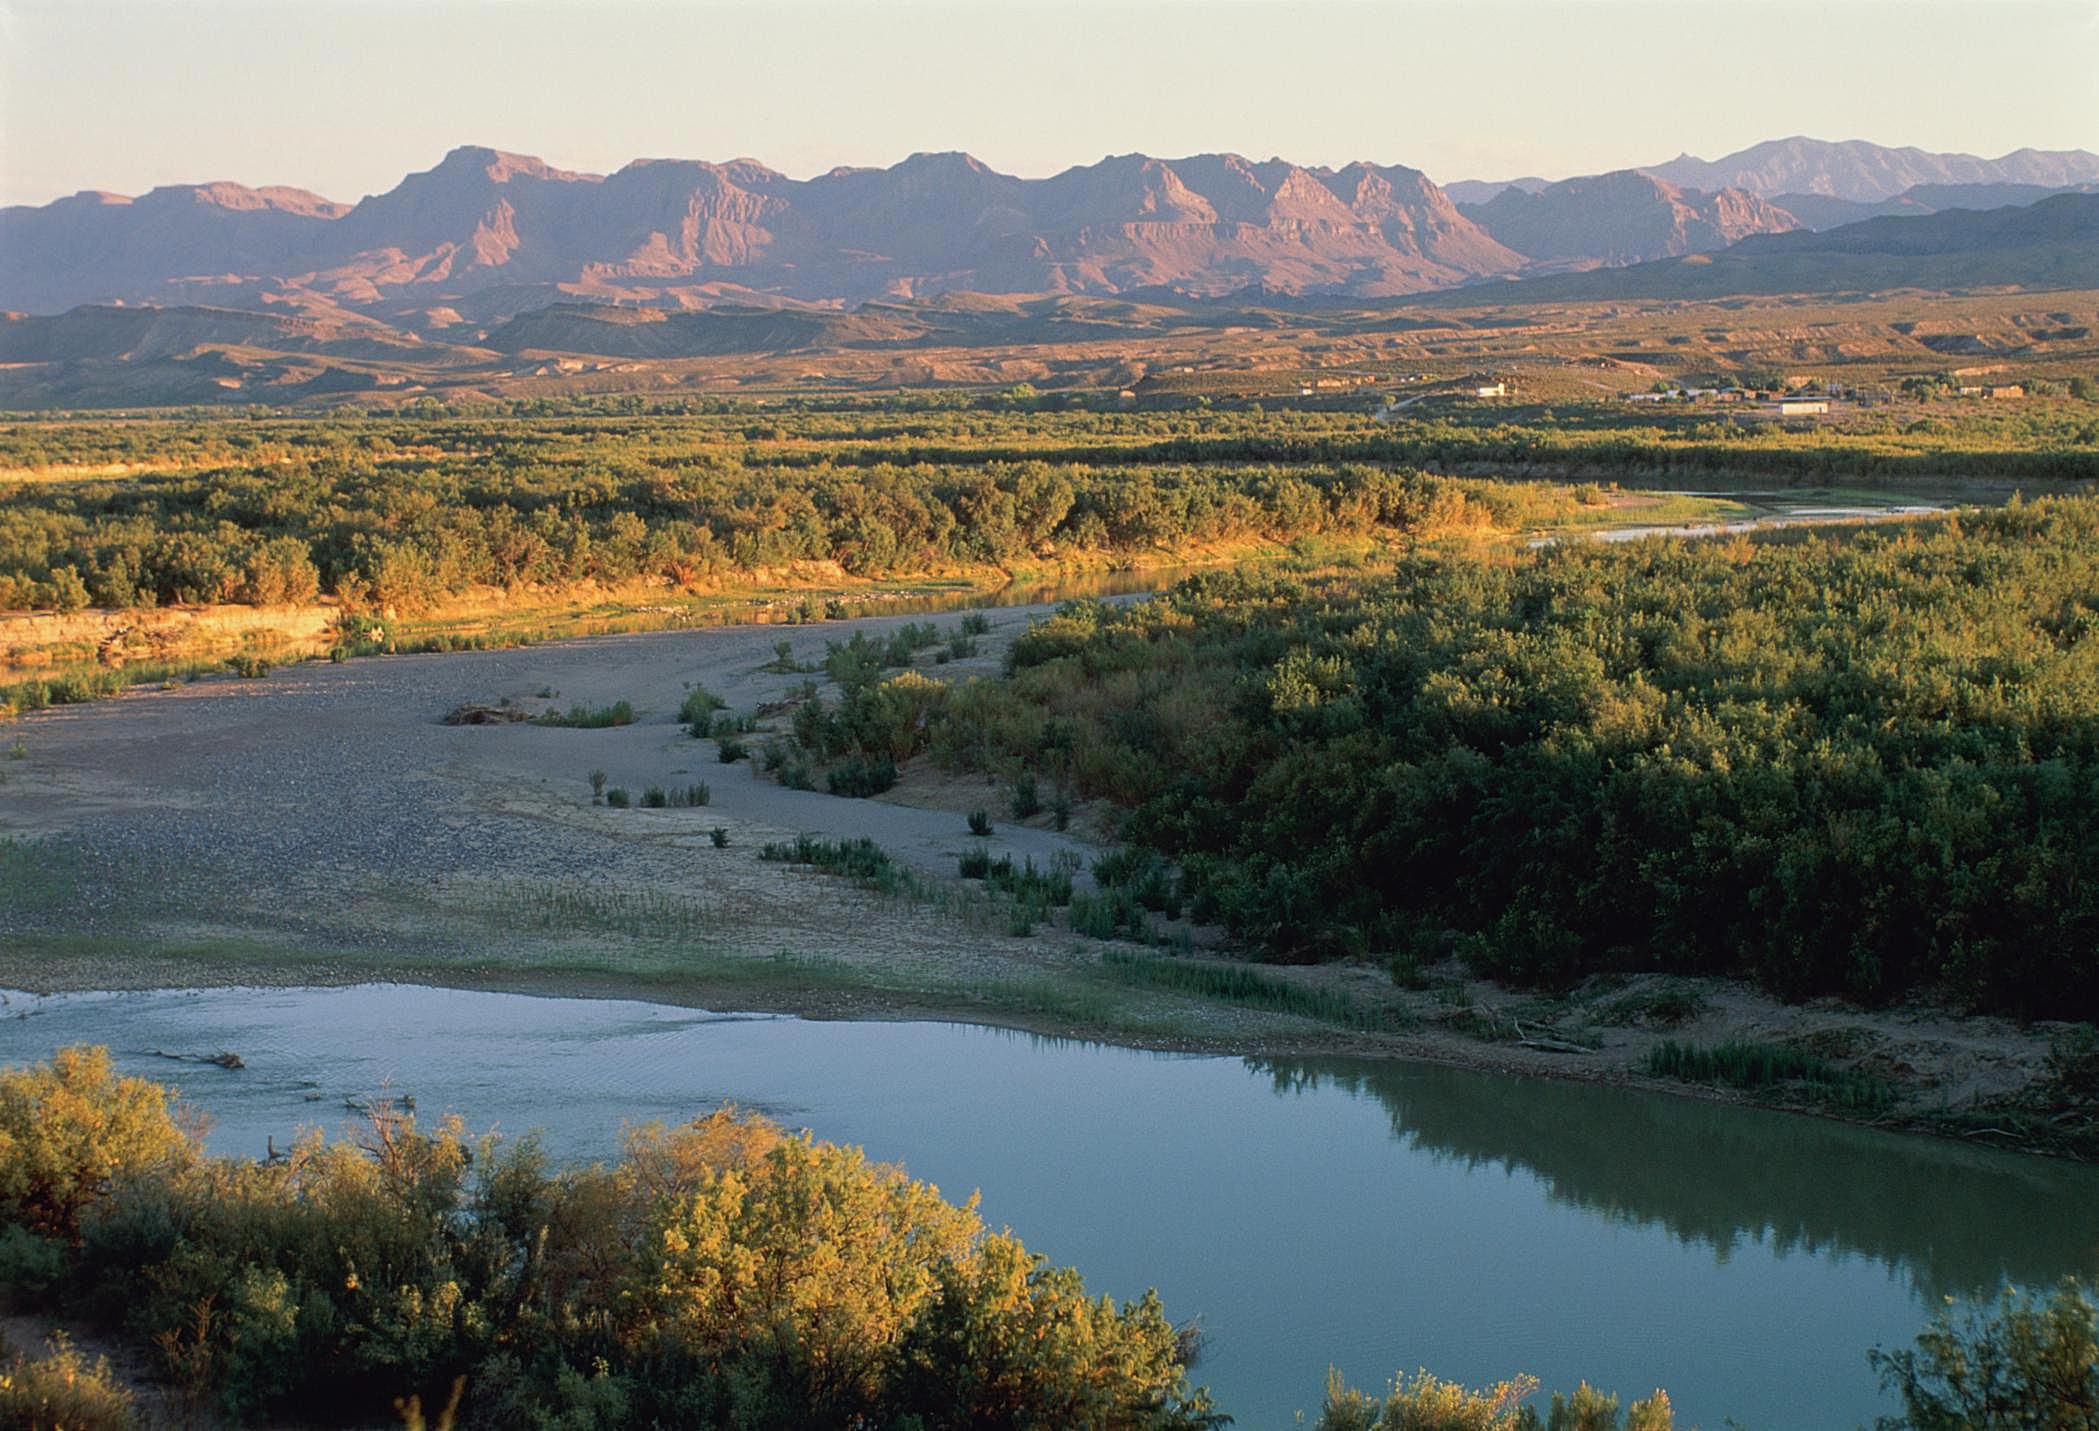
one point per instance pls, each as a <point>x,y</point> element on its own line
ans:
<point>1624,217</point>
<point>2050,244</point>
<point>1860,172</point>
<point>512,232</point>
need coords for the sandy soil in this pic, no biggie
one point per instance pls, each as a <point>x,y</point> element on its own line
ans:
<point>322,825</point>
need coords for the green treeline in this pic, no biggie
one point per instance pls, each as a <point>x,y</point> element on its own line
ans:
<point>409,533</point>
<point>405,510</point>
<point>720,1274</point>
<point>1864,764</point>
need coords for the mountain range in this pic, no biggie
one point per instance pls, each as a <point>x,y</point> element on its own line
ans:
<point>487,234</point>
<point>2051,244</point>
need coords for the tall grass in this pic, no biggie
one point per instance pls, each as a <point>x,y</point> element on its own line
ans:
<point>582,717</point>
<point>1243,987</point>
<point>1760,1067</point>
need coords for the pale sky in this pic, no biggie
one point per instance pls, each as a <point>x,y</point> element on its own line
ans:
<point>346,96</point>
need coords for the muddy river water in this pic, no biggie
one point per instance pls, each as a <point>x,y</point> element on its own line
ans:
<point>1377,1216</point>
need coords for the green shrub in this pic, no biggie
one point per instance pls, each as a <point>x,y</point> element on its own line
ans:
<point>694,795</point>
<point>1023,799</point>
<point>654,798</point>
<point>720,837</point>
<point>975,862</point>
<point>617,797</point>
<point>975,623</point>
<point>248,666</point>
<point>597,785</point>
<point>581,717</point>
<point>69,1129</point>
<point>732,750</point>
<point>62,1391</point>
<point>858,777</point>
<point>697,710</point>
<point>980,822</point>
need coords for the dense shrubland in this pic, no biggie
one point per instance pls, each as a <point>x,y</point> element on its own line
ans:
<point>406,526</point>
<point>723,1273</point>
<point>720,1274</point>
<point>406,511</point>
<point>1865,764</point>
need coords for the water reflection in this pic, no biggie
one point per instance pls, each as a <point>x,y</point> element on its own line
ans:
<point>1953,1221</point>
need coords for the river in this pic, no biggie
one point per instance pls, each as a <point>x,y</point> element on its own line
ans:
<point>1375,1215</point>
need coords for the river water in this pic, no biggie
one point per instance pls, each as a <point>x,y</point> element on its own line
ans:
<point>1377,1215</point>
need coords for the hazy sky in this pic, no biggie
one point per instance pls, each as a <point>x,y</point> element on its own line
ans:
<point>345,96</point>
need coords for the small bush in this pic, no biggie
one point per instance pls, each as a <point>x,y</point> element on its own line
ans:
<point>1024,799</point>
<point>581,717</point>
<point>654,798</point>
<point>1110,914</point>
<point>597,784</point>
<point>860,777</point>
<point>976,862</point>
<point>617,798</point>
<point>694,795</point>
<point>732,750</point>
<point>697,711</point>
<point>720,837</point>
<point>980,822</point>
<point>248,667</point>
<point>975,623</point>
<point>62,1391</point>
<point>860,859</point>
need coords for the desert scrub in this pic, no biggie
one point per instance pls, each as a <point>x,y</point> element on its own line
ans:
<point>729,749</point>
<point>724,1272</point>
<point>980,822</point>
<point>618,798</point>
<point>1768,1067</point>
<point>582,717</point>
<point>61,1391</point>
<point>1424,1402</point>
<point>697,711</point>
<point>861,860</point>
<point>861,777</point>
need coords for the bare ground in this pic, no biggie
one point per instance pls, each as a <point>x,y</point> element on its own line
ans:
<point>322,826</point>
